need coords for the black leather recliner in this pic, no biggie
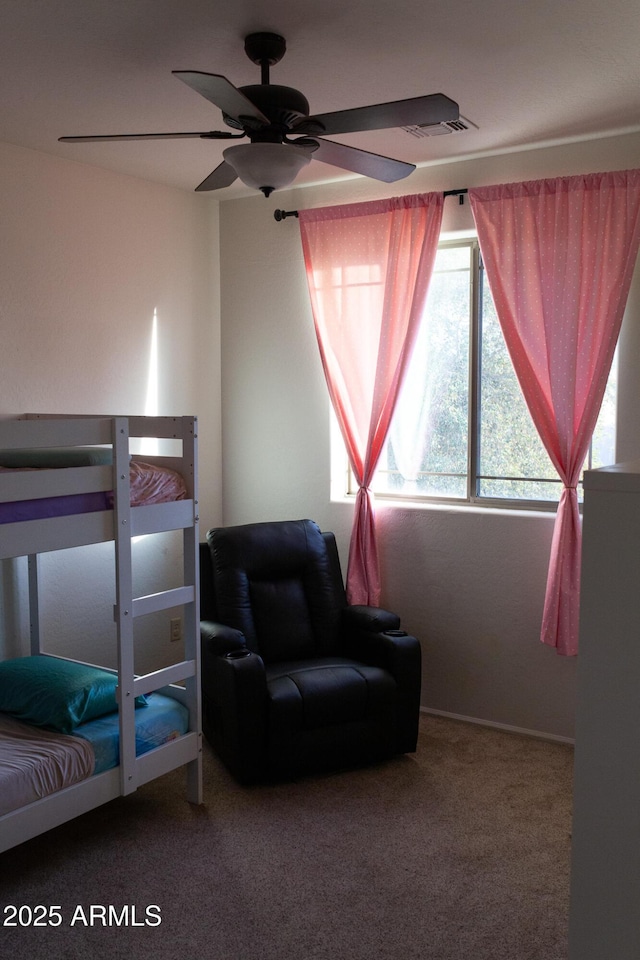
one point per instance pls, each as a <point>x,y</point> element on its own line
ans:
<point>293,679</point>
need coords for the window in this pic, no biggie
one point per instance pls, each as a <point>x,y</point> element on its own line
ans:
<point>461,430</point>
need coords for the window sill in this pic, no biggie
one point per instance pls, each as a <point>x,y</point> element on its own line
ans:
<point>456,506</point>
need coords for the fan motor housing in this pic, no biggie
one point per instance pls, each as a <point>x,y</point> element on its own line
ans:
<point>283,106</point>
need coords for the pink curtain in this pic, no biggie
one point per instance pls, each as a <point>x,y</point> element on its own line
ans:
<point>559,256</point>
<point>368,269</point>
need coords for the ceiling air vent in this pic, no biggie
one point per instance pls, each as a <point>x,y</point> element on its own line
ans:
<point>439,129</point>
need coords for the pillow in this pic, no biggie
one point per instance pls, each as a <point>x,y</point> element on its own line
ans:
<point>53,457</point>
<point>58,694</point>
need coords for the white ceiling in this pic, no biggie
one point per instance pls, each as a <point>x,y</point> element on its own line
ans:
<point>525,72</point>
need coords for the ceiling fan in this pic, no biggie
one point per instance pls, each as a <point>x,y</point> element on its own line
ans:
<point>283,136</point>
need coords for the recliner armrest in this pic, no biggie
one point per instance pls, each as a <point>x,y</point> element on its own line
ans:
<point>234,701</point>
<point>399,653</point>
<point>220,639</point>
<point>373,619</point>
<point>393,650</point>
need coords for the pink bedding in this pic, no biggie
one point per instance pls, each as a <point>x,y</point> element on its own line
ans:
<point>149,484</point>
<point>36,762</point>
<point>153,484</point>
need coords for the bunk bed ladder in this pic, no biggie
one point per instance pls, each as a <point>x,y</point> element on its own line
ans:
<point>124,605</point>
<point>191,561</point>
<point>128,608</point>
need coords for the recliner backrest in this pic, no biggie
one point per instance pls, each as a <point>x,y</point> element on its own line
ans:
<point>277,582</point>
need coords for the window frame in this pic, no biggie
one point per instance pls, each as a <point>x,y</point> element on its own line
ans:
<point>477,279</point>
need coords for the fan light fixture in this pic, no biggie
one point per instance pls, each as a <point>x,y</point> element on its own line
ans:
<point>267,166</point>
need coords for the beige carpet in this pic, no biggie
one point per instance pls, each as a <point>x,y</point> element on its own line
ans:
<point>460,852</point>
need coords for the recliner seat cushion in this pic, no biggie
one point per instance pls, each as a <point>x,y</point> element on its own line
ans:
<point>326,692</point>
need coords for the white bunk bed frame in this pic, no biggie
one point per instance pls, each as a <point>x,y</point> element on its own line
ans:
<point>30,538</point>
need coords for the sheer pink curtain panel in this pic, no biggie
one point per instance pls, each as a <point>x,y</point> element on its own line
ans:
<point>368,270</point>
<point>559,256</point>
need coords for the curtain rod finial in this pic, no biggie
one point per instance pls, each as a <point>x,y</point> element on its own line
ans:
<point>283,214</point>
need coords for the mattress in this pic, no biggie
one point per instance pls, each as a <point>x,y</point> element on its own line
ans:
<point>149,484</point>
<point>35,763</point>
<point>162,720</point>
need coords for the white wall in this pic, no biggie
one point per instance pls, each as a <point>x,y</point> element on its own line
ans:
<point>469,582</point>
<point>88,257</point>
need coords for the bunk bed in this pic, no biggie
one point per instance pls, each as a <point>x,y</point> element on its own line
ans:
<point>68,482</point>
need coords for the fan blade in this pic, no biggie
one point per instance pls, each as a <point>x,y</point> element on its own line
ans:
<point>435,108</point>
<point>220,91</point>
<point>223,176</point>
<point>361,161</point>
<point>208,135</point>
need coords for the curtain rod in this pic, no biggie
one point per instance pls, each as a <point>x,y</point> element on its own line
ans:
<point>283,214</point>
